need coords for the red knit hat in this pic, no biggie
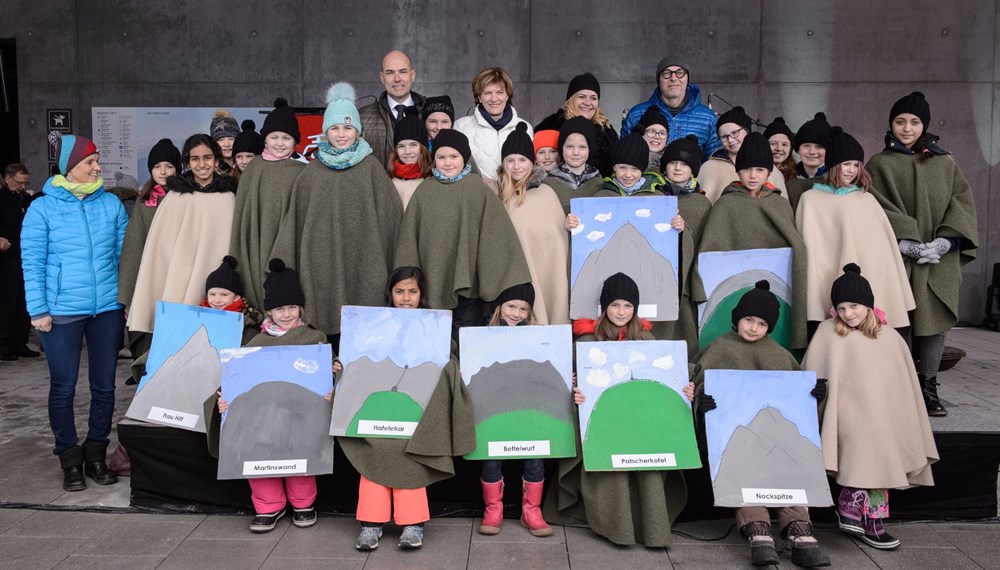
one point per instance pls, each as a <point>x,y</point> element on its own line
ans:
<point>547,138</point>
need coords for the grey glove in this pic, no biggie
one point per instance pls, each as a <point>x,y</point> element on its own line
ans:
<point>940,246</point>
<point>910,248</point>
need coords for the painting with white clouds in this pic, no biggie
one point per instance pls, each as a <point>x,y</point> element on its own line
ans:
<point>632,236</point>
<point>635,416</point>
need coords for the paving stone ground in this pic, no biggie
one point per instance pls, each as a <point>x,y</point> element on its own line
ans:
<point>43,527</point>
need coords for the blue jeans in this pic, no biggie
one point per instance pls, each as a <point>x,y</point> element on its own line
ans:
<point>63,347</point>
<point>534,470</point>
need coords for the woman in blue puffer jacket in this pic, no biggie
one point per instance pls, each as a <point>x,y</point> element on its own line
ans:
<point>70,244</point>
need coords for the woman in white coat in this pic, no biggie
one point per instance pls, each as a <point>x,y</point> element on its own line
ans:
<point>493,118</point>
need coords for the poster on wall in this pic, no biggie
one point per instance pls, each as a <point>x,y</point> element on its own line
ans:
<point>763,439</point>
<point>124,135</point>
<point>631,236</point>
<point>635,416</point>
<point>520,380</point>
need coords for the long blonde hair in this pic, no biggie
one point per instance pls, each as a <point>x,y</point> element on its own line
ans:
<point>570,111</point>
<point>870,327</point>
<point>511,193</point>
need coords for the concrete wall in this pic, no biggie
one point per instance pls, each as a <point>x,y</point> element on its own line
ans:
<point>849,58</point>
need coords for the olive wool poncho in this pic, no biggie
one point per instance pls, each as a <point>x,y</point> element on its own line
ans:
<point>628,507</point>
<point>262,200</point>
<point>927,197</point>
<point>460,235</point>
<point>740,221</point>
<point>339,234</point>
<point>566,193</point>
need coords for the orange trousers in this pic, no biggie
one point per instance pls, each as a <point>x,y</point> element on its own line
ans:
<point>377,504</point>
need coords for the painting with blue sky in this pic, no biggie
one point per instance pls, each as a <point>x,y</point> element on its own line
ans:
<point>175,324</point>
<point>600,219</point>
<point>408,337</point>
<point>772,264</point>
<point>741,394</point>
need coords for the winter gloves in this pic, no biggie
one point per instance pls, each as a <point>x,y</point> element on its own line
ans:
<point>929,252</point>
<point>706,403</point>
<point>819,392</point>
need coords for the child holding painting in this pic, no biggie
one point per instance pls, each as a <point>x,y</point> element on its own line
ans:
<point>395,473</point>
<point>224,291</point>
<point>284,326</point>
<point>870,371</point>
<point>513,308</point>
<point>633,507</point>
<point>750,347</point>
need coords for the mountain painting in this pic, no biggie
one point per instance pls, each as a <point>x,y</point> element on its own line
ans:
<point>392,362</point>
<point>727,275</point>
<point>631,236</point>
<point>635,417</point>
<point>183,368</point>
<point>278,416</point>
<point>763,439</point>
<point>520,380</point>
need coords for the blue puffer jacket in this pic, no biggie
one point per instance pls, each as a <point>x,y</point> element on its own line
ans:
<point>69,252</point>
<point>694,118</point>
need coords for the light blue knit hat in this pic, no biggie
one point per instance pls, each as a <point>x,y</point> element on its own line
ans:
<point>340,108</point>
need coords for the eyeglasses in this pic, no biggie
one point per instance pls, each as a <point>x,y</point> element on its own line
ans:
<point>733,134</point>
<point>15,184</point>
<point>679,73</point>
<point>653,134</point>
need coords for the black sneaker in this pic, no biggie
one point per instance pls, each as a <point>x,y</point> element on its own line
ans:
<point>875,535</point>
<point>304,518</point>
<point>762,552</point>
<point>266,523</point>
<point>73,479</point>
<point>26,352</point>
<point>849,526</point>
<point>806,552</point>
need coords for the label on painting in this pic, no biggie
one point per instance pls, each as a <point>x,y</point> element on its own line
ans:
<point>369,427</point>
<point>278,467</point>
<point>172,417</point>
<point>518,448</point>
<point>647,311</point>
<point>631,461</point>
<point>775,496</point>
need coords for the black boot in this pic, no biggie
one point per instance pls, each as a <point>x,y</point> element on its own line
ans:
<point>928,385</point>
<point>71,462</point>
<point>762,552</point>
<point>95,454</point>
<point>806,552</point>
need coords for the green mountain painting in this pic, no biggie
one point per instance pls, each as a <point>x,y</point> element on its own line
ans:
<point>640,417</point>
<point>386,407</point>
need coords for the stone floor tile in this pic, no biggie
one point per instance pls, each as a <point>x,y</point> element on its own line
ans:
<point>330,537</point>
<point>35,553</point>
<point>444,547</point>
<point>75,562</point>
<point>512,531</point>
<point>237,528</point>
<point>62,524</point>
<point>217,554</point>
<point>588,550</point>
<point>137,534</point>
<point>508,556</point>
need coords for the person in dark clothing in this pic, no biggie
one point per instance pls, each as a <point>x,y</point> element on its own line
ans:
<point>583,99</point>
<point>15,325</point>
<point>378,119</point>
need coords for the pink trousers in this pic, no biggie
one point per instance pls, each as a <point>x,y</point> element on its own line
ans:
<point>270,494</point>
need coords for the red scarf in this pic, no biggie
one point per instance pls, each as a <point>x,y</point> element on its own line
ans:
<point>236,306</point>
<point>589,326</point>
<point>154,196</point>
<point>406,171</point>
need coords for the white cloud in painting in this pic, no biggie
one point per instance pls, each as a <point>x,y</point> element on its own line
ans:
<point>597,357</point>
<point>577,229</point>
<point>306,366</point>
<point>664,362</point>
<point>599,378</point>
<point>662,227</point>
<point>620,370</point>
<point>643,213</point>
<point>636,356</point>
<point>602,217</point>
<point>227,354</point>
<point>595,235</point>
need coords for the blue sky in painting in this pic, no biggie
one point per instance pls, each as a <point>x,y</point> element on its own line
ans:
<point>409,337</point>
<point>741,394</point>
<point>600,218</point>
<point>483,346</point>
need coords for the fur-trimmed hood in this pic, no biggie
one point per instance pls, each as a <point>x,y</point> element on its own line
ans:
<point>538,174</point>
<point>588,326</point>
<point>185,184</point>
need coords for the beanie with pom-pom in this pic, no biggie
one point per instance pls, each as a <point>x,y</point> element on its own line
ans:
<point>916,104</point>
<point>778,127</point>
<point>340,107</point>
<point>225,277</point>
<point>852,287</point>
<point>282,119</point>
<point>813,131</point>
<point>842,147</point>
<point>518,142</point>
<point>224,125</point>
<point>758,302</point>
<point>282,287</point>
<point>164,151</point>
<point>248,140</point>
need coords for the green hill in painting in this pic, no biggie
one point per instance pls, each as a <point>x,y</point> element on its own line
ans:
<point>640,417</point>
<point>525,425</point>
<point>721,320</point>
<point>386,406</point>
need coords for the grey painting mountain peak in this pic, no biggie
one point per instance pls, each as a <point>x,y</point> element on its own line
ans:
<point>627,251</point>
<point>364,377</point>
<point>182,383</point>
<point>770,453</point>
<point>519,385</point>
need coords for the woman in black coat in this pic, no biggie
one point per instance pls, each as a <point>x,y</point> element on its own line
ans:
<point>583,98</point>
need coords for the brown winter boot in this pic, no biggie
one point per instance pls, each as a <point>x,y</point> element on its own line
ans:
<point>531,514</point>
<point>493,515</point>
